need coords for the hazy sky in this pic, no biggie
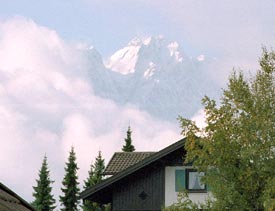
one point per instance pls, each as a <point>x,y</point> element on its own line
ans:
<point>46,103</point>
<point>201,26</point>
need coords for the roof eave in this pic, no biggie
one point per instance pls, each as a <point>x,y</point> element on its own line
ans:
<point>109,181</point>
<point>22,201</point>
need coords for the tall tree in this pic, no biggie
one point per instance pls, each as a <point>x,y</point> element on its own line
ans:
<point>95,176</point>
<point>70,183</point>
<point>44,200</point>
<point>128,147</point>
<point>236,148</point>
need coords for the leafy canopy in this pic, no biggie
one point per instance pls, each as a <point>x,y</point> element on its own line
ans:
<point>237,147</point>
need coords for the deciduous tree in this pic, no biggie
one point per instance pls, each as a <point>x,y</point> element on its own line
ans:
<point>237,147</point>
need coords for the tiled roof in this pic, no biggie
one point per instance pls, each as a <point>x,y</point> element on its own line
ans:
<point>107,183</point>
<point>10,201</point>
<point>123,160</point>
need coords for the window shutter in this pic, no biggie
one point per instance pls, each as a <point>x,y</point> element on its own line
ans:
<point>208,188</point>
<point>180,183</point>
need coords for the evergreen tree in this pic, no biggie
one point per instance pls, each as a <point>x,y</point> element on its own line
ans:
<point>128,147</point>
<point>236,148</point>
<point>99,167</point>
<point>87,204</point>
<point>95,176</point>
<point>70,188</point>
<point>44,200</point>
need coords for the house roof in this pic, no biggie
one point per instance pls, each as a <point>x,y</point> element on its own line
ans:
<point>123,160</point>
<point>10,201</point>
<point>130,170</point>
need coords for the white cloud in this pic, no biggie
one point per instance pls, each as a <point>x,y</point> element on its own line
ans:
<point>47,106</point>
<point>199,118</point>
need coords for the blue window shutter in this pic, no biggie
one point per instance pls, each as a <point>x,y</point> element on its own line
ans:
<point>180,180</point>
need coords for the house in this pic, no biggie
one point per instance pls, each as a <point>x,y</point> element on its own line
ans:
<point>147,180</point>
<point>10,201</point>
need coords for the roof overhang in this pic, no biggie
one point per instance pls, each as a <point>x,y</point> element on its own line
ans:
<point>20,205</point>
<point>106,185</point>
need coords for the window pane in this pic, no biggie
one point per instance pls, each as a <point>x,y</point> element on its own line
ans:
<point>194,182</point>
<point>180,180</point>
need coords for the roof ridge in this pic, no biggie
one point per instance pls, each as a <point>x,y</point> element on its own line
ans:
<point>132,169</point>
<point>139,152</point>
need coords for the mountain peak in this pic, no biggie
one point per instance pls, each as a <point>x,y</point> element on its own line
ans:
<point>142,51</point>
<point>124,60</point>
<point>135,42</point>
<point>146,40</point>
<point>174,51</point>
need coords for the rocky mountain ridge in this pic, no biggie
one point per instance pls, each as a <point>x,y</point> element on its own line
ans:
<point>154,75</point>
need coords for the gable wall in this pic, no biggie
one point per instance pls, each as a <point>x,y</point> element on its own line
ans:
<point>149,180</point>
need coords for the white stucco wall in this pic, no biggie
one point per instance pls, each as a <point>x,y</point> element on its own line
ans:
<point>170,193</point>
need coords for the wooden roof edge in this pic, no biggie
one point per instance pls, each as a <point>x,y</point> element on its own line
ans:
<point>120,175</point>
<point>22,201</point>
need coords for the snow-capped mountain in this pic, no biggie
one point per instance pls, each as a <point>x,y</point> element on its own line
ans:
<point>128,59</point>
<point>153,75</point>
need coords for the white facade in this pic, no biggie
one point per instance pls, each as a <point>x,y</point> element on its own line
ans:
<point>170,193</point>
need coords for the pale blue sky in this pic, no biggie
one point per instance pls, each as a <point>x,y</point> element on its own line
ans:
<point>212,26</point>
<point>107,26</point>
<point>41,74</point>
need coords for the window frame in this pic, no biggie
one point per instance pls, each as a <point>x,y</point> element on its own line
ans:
<point>187,171</point>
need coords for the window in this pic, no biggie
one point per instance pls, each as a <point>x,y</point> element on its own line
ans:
<point>189,179</point>
<point>194,180</point>
<point>180,180</point>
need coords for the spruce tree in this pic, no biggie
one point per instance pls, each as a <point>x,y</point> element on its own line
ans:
<point>87,204</point>
<point>99,167</point>
<point>44,200</point>
<point>95,176</point>
<point>128,147</point>
<point>70,183</point>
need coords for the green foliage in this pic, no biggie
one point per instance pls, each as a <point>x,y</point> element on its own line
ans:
<point>236,148</point>
<point>44,200</point>
<point>95,176</point>
<point>70,188</point>
<point>128,147</point>
<point>185,204</point>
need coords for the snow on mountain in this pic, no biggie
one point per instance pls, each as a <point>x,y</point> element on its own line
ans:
<point>201,58</point>
<point>149,72</point>
<point>174,51</point>
<point>154,75</point>
<point>124,60</point>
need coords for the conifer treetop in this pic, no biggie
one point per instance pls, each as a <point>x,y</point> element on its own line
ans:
<point>95,176</point>
<point>128,147</point>
<point>70,189</point>
<point>44,200</point>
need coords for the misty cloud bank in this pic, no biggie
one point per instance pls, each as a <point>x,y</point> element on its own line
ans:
<point>47,106</point>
